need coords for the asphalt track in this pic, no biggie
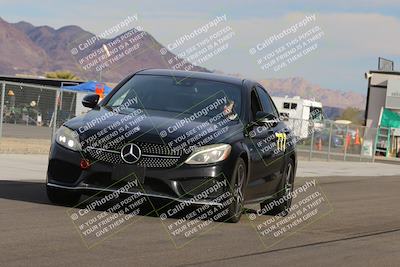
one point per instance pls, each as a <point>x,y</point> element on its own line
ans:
<point>361,229</point>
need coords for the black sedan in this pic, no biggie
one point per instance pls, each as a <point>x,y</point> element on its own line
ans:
<point>176,131</point>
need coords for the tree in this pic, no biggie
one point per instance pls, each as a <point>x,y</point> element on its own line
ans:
<point>62,74</point>
<point>352,114</point>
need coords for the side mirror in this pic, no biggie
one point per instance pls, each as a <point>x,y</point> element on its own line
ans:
<point>267,119</point>
<point>90,101</point>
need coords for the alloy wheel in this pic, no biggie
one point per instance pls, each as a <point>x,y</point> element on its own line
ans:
<point>288,185</point>
<point>238,189</point>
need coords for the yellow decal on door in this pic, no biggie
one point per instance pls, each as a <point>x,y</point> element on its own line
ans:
<point>280,141</point>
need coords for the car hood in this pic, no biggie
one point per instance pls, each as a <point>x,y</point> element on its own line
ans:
<point>98,123</point>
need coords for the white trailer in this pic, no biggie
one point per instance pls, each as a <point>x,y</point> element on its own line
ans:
<point>301,114</point>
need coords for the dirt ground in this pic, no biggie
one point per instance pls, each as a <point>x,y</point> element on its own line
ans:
<point>24,145</point>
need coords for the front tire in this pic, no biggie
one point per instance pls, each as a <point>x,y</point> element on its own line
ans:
<point>283,208</point>
<point>235,209</point>
<point>62,197</point>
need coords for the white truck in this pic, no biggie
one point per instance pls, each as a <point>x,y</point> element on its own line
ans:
<point>300,114</point>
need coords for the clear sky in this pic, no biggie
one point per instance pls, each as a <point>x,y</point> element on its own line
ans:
<point>356,32</point>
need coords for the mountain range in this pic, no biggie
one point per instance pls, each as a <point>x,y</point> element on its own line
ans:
<point>298,86</point>
<point>26,49</point>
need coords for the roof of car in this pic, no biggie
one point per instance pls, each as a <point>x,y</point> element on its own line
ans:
<point>193,74</point>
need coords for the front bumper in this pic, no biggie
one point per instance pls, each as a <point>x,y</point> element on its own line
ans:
<point>175,184</point>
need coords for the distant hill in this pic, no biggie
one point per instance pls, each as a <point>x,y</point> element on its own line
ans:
<point>27,49</point>
<point>18,52</point>
<point>332,112</point>
<point>300,87</point>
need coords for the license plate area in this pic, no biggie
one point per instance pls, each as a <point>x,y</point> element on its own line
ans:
<point>128,173</point>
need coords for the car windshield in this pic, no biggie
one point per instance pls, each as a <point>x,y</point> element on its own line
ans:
<point>179,95</point>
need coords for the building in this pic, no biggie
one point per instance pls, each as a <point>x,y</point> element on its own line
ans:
<point>383,110</point>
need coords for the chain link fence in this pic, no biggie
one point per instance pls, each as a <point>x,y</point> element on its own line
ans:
<point>328,140</point>
<point>30,115</point>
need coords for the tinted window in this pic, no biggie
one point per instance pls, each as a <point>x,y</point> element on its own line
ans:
<point>266,101</point>
<point>175,94</point>
<point>255,104</point>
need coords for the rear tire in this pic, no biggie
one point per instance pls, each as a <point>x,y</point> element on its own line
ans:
<point>62,197</point>
<point>235,209</point>
<point>288,182</point>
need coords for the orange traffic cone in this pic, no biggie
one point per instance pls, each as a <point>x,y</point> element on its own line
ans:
<point>100,90</point>
<point>357,139</point>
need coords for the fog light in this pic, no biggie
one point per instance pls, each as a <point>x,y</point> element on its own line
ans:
<point>85,164</point>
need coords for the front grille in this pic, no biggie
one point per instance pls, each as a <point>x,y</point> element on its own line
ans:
<point>152,162</point>
<point>104,155</point>
<point>153,155</point>
<point>158,149</point>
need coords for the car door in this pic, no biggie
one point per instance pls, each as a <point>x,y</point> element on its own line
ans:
<point>261,142</point>
<point>274,160</point>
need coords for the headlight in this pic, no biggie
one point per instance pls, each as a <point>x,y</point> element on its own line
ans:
<point>68,138</point>
<point>209,154</point>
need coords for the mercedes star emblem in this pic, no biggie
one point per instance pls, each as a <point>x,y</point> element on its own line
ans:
<point>130,153</point>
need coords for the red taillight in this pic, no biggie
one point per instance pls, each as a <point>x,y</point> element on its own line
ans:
<point>85,164</point>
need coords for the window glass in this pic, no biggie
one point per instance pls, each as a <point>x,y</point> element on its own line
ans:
<point>316,114</point>
<point>167,93</point>
<point>266,101</point>
<point>284,115</point>
<point>119,100</point>
<point>255,104</point>
<point>286,105</point>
